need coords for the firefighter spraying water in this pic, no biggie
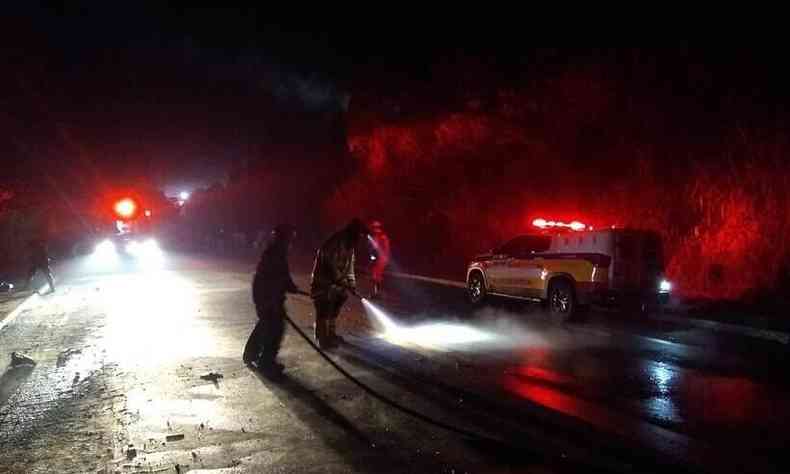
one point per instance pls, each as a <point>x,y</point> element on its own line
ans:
<point>332,279</point>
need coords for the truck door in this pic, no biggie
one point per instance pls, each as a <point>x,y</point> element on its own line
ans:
<point>523,274</point>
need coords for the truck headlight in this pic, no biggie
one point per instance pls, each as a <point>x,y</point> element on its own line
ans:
<point>105,247</point>
<point>105,253</point>
<point>665,286</point>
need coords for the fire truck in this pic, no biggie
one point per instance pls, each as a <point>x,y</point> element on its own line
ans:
<point>568,267</point>
<point>130,234</point>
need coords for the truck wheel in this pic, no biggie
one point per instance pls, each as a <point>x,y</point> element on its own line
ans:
<point>562,300</point>
<point>476,288</point>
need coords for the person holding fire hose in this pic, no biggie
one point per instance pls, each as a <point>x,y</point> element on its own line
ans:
<point>381,255</point>
<point>332,277</point>
<point>271,283</point>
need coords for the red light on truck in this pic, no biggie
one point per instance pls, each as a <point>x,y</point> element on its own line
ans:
<point>125,208</point>
<point>543,224</point>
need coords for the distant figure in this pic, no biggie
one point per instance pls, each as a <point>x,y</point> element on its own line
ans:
<point>39,260</point>
<point>333,276</point>
<point>381,255</point>
<point>271,283</point>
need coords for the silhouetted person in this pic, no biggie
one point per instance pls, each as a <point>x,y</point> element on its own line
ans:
<point>381,247</point>
<point>333,276</point>
<point>271,283</point>
<point>39,260</point>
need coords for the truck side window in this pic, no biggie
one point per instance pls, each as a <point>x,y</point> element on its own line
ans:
<point>526,245</point>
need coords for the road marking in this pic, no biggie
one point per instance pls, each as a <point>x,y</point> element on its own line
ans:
<point>439,281</point>
<point>776,336</point>
<point>222,290</point>
<point>21,308</point>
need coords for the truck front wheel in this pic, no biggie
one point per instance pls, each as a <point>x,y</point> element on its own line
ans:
<point>476,288</point>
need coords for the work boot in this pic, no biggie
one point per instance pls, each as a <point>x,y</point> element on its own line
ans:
<point>270,365</point>
<point>322,334</point>
<point>270,369</point>
<point>334,339</point>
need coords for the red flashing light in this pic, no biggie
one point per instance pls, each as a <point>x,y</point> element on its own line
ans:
<point>544,224</point>
<point>576,225</point>
<point>125,208</point>
<point>148,213</point>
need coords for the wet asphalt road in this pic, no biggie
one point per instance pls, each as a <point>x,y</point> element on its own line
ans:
<point>690,395</point>
<point>139,370</point>
<point>121,354</point>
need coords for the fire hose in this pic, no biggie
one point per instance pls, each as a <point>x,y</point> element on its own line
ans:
<point>383,398</point>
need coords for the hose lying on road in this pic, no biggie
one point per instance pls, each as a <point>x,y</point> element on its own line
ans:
<point>388,401</point>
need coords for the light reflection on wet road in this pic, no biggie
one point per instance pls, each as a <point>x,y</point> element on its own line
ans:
<point>610,379</point>
<point>150,319</point>
<point>108,349</point>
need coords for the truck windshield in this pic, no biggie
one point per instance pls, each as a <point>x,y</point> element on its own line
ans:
<point>525,245</point>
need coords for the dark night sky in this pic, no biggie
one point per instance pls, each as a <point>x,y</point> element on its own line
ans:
<point>92,90</point>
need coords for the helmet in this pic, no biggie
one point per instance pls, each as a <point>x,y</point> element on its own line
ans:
<point>283,232</point>
<point>357,227</point>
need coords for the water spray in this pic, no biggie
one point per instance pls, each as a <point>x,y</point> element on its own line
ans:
<point>431,334</point>
<point>388,401</point>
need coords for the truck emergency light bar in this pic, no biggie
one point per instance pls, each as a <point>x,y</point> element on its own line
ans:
<point>544,224</point>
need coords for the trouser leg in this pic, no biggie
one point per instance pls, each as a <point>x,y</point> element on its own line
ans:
<point>30,274</point>
<point>377,275</point>
<point>273,333</point>
<point>335,305</point>
<point>50,279</point>
<point>253,347</point>
<point>321,321</point>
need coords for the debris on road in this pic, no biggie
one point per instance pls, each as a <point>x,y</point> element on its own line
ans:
<point>212,377</point>
<point>131,453</point>
<point>64,356</point>
<point>19,359</point>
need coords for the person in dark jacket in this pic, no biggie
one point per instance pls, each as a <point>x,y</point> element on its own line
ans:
<point>271,283</point>
<point>39,260</point>
<point>332,277</point>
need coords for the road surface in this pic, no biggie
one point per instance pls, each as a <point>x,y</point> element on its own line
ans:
<point>139,370</point>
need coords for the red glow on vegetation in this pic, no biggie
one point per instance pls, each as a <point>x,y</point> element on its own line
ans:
<point>454,184</point>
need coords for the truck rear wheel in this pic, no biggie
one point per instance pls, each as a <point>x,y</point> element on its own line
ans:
<point>562,300</point>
